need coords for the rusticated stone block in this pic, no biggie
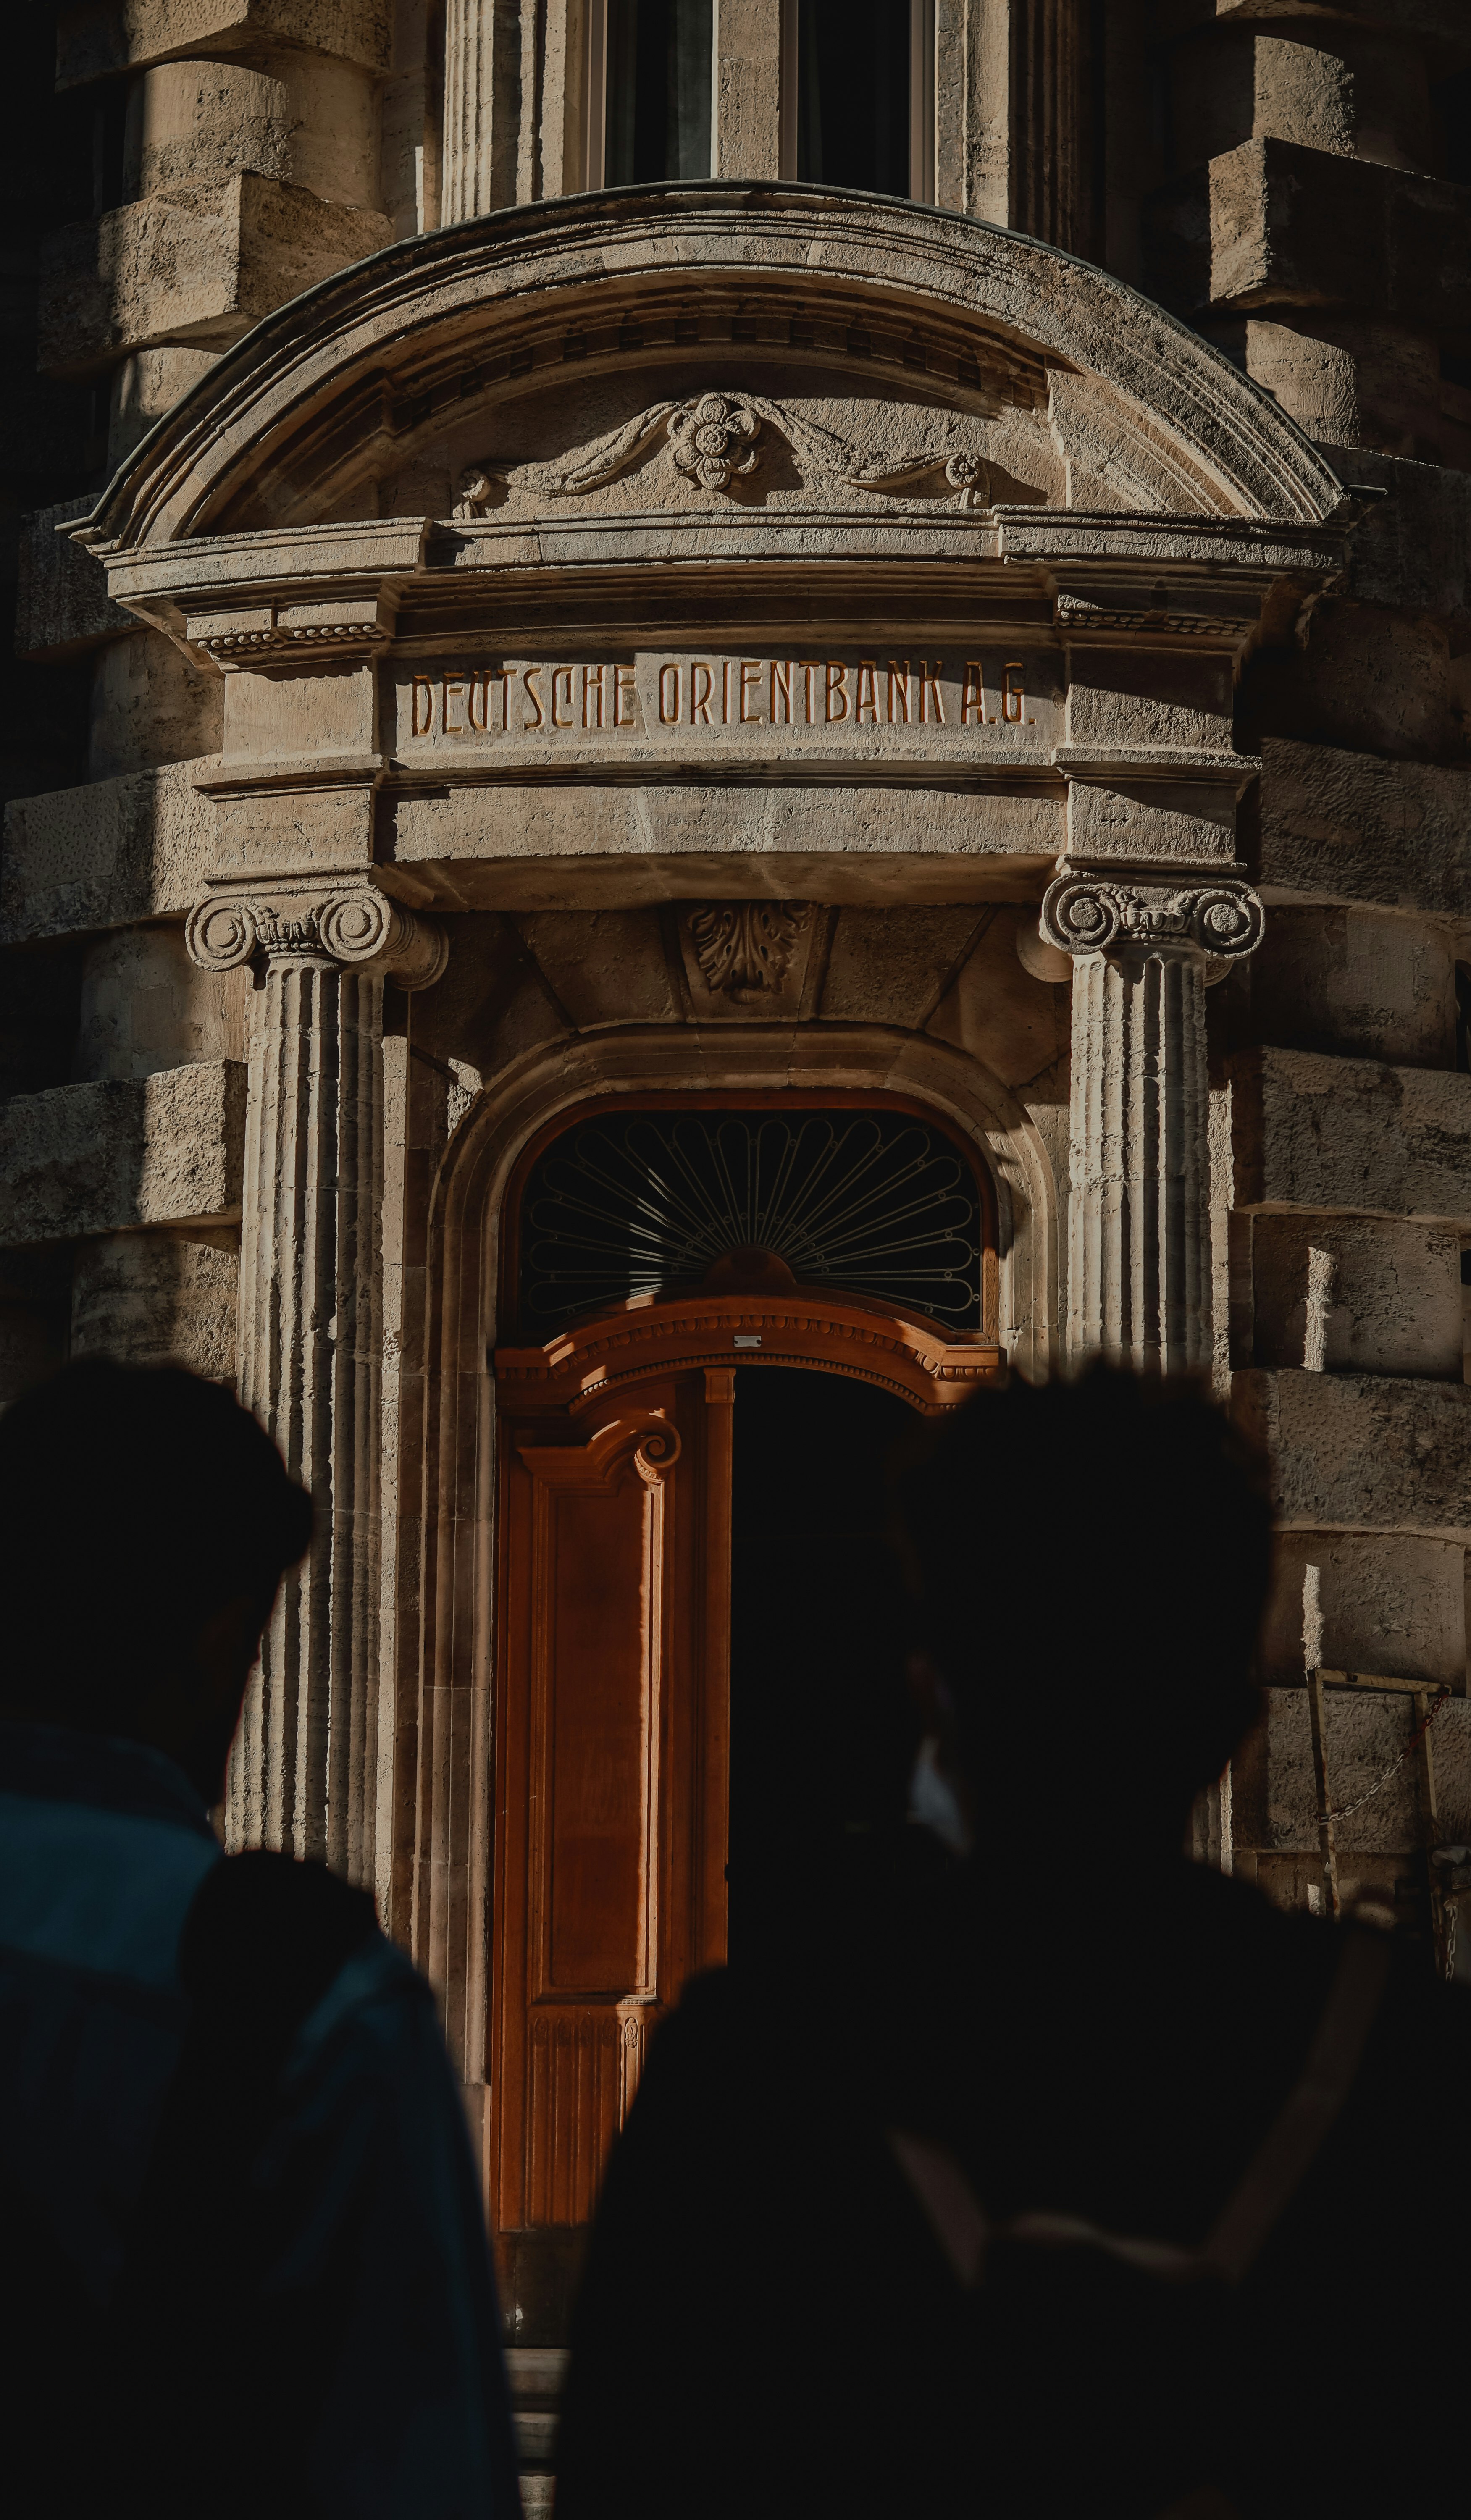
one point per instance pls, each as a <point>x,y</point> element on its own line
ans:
<point>1365,984</point>
<point>158,1299</point>
<point>1351,1133</point>
<point>1360,1601</point>
<point>1270,223</point>
<point>163,1150</point>
<point>1348,826</point>
<point>61,602</point>
<point>1273,1797</point>
<point>95,38</point>
<point>1445,22</point>
<point>1362,1451</point>
<point>1412,548</point>
<point>109,855</point>
<point>200,262</point>
<point>1356,1293</point>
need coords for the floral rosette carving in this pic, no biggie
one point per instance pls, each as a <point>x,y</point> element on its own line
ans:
<point>1089,915</point>
<point>712,439</point>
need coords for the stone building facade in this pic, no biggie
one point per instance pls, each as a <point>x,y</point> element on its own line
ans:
<point>592,601</point>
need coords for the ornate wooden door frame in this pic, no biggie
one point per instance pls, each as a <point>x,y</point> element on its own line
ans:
<point>611,1712</point>
<point>452,1402</point>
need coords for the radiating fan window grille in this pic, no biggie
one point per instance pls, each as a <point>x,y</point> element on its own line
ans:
<point>870,1203</point>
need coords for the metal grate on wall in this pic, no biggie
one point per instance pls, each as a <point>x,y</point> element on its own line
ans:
<point>870,1203</point>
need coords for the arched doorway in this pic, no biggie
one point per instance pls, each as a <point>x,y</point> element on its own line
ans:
<point>653,1249</point>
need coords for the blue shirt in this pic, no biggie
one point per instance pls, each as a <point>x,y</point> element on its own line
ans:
<point>103,1845</point>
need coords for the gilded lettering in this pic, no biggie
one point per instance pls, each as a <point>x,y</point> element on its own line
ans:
<point>750,675</point>
<point>811,665</point>
<point>699,701</point>
<point>973,695</point>
<point>529,725</point>
<point>423,718</point>
<point>451,690</point>
<point>929,686</point>
<point>478,682</point>
<point>669,675</point>
<point>592,690</point>
<point>558,672</point>
<point>725,692</point>
<point>867,696</point>
<point>782,673</point>
<point>899,689</point>
<point>624,689</point>
<point>1013,695</point>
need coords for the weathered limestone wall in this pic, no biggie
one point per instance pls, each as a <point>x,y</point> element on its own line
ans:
<point>215,160</point>
<point>1296,189</point>
<point>1315,220</point>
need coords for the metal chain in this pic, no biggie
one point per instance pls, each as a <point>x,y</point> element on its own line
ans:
<point>1346,1811</point>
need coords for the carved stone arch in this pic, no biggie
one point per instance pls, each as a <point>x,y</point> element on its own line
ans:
<point>273,435</point>
<point>444,1758</point>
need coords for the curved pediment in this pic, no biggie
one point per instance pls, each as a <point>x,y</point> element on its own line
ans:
<point>703,350</point>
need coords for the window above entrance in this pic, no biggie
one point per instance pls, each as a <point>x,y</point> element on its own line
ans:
<point>873,1204</point>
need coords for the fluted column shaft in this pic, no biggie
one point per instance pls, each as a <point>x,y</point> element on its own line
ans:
<point>310,1365</point>
<point>303,1773</point>
<point>1139,1257</point>
<point>1140,1229</point>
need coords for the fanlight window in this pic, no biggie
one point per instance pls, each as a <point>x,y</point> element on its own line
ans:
<point>871,1204</point>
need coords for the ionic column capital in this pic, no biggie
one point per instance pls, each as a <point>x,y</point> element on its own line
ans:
<point>1217,916</point>
<point>361,929</point>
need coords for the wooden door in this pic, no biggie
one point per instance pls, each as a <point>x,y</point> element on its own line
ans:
<point>612,1788</point>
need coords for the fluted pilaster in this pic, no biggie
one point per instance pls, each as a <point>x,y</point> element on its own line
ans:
<point>482,64</point>
<point>1140,1237</point>
<point>303,1774</point>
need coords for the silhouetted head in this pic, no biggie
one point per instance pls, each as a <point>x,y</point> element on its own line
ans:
<point>1092,1561</point>
<point>145,1521</point>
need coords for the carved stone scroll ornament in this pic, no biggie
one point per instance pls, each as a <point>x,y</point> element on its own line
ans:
<point>363,931</point>
<point>712,440</point>
<point>745,948</point>
<point>1091,915</point>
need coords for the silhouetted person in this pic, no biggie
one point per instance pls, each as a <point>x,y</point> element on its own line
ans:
<point>1052,2175</point>
<point>245,2254</point>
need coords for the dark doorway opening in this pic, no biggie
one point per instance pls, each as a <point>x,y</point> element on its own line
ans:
<point>823,1733</point>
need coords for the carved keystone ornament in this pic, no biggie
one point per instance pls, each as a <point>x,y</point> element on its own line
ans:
<point>745,948</point>
<point>1094,915</point>
<point>363,931</point>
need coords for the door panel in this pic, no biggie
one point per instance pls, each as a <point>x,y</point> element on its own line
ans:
<point>611,1787</point>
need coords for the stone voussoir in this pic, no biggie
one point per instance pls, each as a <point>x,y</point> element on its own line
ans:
<point>1351,1133</point>
<point>103,1157</point>
<point>120,851</point>
<point>1362,1451</point>
<point>196,263</point>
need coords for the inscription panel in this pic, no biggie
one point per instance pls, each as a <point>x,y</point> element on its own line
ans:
<point>903,699</point>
